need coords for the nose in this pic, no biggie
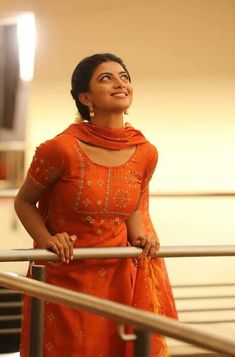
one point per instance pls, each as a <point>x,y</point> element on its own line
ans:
<point>118,82</point>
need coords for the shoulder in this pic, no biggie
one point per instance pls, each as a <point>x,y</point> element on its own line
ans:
<point>58,144</point>
<point>149,152</point>
<point>55,151</point>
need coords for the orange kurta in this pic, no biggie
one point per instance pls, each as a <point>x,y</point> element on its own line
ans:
<point>93,202</point>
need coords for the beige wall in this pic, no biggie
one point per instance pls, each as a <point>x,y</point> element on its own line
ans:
<point>181,55</point>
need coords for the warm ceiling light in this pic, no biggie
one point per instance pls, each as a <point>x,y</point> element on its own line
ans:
<point>26,34</point>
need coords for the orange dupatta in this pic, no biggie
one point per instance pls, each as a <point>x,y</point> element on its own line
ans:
<point>108,138</point>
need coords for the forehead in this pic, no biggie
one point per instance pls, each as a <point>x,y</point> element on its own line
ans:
<point>110,66</point>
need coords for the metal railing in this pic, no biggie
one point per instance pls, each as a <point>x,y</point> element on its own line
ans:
<point>194,194</point>
<point>123,314</point>
<point>142,320</point>
<point>9,255</point>
<point>11,193</point>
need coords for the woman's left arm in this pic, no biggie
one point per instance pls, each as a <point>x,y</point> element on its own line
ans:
<point>136,232</point>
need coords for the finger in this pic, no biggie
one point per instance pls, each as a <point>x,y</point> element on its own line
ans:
<point>139,242</point>
<point>147,247</point>
<point>62,242</point>
<point>152,250</point>
<point>143,241</point>
<point>67,246</point>
<point>72,239</point>
<point>157,245</point>
<point>61,250</point>
<point>53,248</point>
<point>136,243</point>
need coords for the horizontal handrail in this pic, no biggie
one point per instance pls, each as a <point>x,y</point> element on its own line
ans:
<point>204,285</point>
<point>140,319</point>
<point>9,255</point>
<point>11,193</point>
<point>193,194</point>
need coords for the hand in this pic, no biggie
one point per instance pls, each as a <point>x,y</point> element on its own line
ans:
<point>62,245</point>
<point>150,246</point>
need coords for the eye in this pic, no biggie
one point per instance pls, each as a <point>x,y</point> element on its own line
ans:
<point>125,77</point>
<point>105,78</point>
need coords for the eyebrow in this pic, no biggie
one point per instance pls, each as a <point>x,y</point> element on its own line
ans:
<point>110,74</point>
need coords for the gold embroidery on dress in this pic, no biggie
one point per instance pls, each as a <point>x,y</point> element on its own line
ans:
<point>81,175</point>
<point>124,214</point>
<point>102,272</point>
<point>61,222</point>
<point>99,203</point>
<point>89,183</point>
<point>51,317</point>
<point>100,182</point>
<point>117,177</point>
<point>122,198</point>
<point>116,221</point>
<point>107,193</point>
<point>36,182</point>
<point>50,346</point>
<point>99,231</point>
<point>131,178</point>
<point>86,202</point>
<point>80,335</point>
<point>90,220</point>
<point>51,174</point>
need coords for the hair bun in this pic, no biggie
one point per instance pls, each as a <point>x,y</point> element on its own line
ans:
<point>73,93</point>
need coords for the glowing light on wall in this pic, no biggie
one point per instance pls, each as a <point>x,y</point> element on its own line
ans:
<point>26,34</point>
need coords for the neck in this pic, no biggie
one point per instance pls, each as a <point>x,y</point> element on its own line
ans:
<point>112,121</point>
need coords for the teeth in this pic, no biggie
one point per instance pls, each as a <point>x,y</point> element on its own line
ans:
<point>119,95</point>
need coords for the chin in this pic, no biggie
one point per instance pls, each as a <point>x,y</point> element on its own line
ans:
<point>123,108</point>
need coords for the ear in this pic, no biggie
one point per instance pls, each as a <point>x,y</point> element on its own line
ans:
<point>85,99</point>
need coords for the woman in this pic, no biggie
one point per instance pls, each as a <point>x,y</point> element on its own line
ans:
<point>91,186</point>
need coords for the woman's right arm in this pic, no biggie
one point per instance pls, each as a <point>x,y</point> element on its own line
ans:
<point>29,215</point>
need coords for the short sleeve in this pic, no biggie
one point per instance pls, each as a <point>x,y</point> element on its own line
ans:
<point>47,164</point>
<point>151,163</point>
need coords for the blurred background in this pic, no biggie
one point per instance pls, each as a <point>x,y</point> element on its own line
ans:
<point>181,57</point>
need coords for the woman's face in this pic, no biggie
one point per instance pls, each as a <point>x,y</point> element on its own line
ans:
<point>110,88</point>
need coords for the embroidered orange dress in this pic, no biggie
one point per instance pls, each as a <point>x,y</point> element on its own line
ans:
<point>93,202</point>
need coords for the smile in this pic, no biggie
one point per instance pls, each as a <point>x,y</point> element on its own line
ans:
<point>121,95</point>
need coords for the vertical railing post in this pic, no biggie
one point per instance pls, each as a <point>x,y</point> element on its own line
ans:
<point>37,317</point>
<point>142,344</point>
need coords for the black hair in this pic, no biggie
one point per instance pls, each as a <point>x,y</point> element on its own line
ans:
<point>82,75</point>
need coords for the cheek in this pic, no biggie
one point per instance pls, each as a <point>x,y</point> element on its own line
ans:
<point>130,90</point>
<point>131,95</point>
<point>99,97</point>
<point>101,100</point>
